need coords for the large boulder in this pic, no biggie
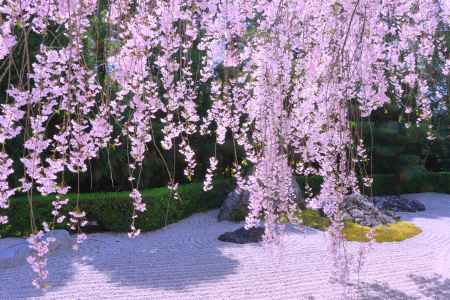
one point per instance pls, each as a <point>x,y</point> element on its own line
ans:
<point>361,210</point>
<point>398,203</point>
<point>243,236</point>
<point>235,206</point>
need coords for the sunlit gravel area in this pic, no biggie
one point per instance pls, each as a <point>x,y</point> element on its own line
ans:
<point>186,261</point>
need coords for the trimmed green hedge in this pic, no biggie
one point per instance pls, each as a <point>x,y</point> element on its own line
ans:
<point>415,182</point>
<point>112,211</point>
<point>440,182</point>
<point>382,185</point>
<point>387,184</point>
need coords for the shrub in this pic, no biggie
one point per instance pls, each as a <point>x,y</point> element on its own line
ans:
<point>383,184</point>
<point>441,182</point>
<point>414,181</point>
<point>313,218</point>
<point>112,211</point>
<point>354,232</point>
<point>396,232</point>
<point>420,182</point>
<point>314,182</point>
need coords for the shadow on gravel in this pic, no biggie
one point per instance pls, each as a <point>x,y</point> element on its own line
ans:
<point>435,287</point>
<point>381,291</point>
<point>160,261</point>
<point>16,282</point>
<point>165,270</point>
<point>163,262</point>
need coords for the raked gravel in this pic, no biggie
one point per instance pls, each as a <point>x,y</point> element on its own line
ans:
<point>186,261</point>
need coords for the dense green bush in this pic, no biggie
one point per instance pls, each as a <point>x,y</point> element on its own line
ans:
<point>112,211</point>
<point>410,182</point>
<point>314,183</point>
<point>387,184</point>
<point>383,184</point>
<point>441,182</point>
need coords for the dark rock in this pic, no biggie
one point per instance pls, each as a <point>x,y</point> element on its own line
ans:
<point>235,206</point>
<point>361,210</point>
<point>243,236</point>
<point>398,203</point>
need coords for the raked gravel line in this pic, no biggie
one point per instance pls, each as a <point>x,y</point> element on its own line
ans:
<point>186,261</point>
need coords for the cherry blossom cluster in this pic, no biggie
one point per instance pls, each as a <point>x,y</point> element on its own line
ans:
<point>138,206</point>
<point>307,64</point>
<point>57,206</point>
<point>207,185</point>
<point>39,244</point>
<point>78,220</point>
<point>9,129</point>
<point>5,191</point>
<point>59,87</point>
<point>285,78</point>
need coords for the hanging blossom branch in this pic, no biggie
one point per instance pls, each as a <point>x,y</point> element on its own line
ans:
<point>339,52</point>
<point>136,80</point>
<point>9,129</point>
<point>57,85</point>
<point>164,86</point>
<point>39,244</point>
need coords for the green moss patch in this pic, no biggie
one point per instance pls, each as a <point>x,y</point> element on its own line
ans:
<point>396,232</point>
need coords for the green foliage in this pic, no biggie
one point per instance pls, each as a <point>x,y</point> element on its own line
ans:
<point>440,181</point>
<point>112,211</point>
<point>439,158</point>
<point>313,218</point>
<point>314,183</point>
<point>396,232</point>
<point>394,148</point>
<point>354,232</point>
<point>412,181</point>
<point>238,215</point>
<point>383,184</point>
<point>416,182</point>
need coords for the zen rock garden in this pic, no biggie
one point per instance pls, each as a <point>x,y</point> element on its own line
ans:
<point>360,209</point>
